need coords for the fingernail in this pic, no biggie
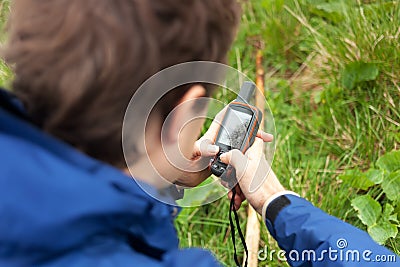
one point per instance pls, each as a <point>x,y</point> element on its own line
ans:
<point>223,157</point>
<point>212,149</point>
<point>267,136</point>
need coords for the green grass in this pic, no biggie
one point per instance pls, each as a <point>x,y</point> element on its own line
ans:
<point>5,72</point>
<point>323,127</point>
<point>329,117</point>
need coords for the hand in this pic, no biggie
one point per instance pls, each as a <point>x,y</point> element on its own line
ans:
<point>257,181</point>
<point>203,150</point>
<point>198,170</point>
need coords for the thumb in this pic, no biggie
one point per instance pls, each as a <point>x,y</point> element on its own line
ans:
<point>236,159</point>
<point>205,148</point>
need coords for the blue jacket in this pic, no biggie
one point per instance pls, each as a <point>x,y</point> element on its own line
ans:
<point>310,237</point>
<point>59,207</point>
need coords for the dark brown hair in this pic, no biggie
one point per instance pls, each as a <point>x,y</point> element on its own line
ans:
<point>78,62</point>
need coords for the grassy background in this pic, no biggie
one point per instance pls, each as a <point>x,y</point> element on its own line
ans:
<point>328,118</point>
<point>332,81</point>
<point>5,72</point>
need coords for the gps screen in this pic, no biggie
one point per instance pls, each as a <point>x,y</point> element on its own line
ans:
<point>235,128</point>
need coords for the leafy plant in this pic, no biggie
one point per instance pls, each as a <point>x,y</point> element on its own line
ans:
<point>357,72</point>
<point>379,209</point>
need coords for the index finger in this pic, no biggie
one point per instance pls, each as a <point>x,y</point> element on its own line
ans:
<point>266,137</point>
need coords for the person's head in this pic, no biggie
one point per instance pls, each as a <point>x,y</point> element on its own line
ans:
<point>78,63</point>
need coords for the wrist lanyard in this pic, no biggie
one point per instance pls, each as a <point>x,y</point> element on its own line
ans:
<point>242,239</point>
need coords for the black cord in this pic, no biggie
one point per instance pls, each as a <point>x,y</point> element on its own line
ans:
<point>242,239</point>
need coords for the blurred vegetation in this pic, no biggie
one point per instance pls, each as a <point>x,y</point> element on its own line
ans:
<point>332,81</point>
<point>5,72</point>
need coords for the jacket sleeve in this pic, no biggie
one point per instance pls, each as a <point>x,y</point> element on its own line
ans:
<point>310,237</point>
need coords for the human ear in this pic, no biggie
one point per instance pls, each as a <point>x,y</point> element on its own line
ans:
<point>183,125</point>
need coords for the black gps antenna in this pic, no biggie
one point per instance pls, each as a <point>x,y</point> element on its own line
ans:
<point>246,92</point>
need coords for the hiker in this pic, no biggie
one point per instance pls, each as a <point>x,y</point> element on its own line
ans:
<point>67,196</point>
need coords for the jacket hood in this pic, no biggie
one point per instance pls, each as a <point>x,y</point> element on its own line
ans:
<point>54,198</point>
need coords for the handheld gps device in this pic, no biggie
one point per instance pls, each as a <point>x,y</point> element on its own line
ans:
<point>238,129</point>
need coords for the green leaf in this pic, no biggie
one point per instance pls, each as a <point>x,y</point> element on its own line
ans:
<point>368,209</point>
<point>318,97</point>
<point>397,210</point>
<point>330,11</point>
<point>388,215</point>
<point>357,72</point>
<point>382,232</point>
<point>356,179</point>
<point>387,210</point>
<point>201,194</point>
<point>375,176</point>
<point>390,161</point>
<point>391,185</point>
